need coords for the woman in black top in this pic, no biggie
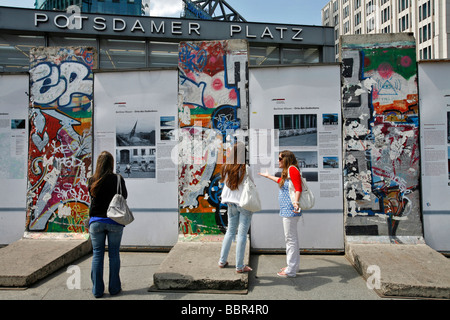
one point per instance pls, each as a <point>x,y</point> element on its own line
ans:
<point>102,188</point>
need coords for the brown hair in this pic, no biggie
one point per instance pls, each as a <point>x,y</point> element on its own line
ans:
<point>288,159</point>
<point>105,166</point>
<point>234,170</point>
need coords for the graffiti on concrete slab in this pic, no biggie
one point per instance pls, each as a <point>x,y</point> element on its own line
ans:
<point>59,155</point>
<point>381,138</point>
<point>213,105</point>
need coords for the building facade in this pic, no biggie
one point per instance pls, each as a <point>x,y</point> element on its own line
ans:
<point>125,7</point>
<point>136,42</point>
<point>428,20</point>
<point>146,48</point>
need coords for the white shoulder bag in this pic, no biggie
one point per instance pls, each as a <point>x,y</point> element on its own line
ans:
<point>118,209</point>
<point>249,198</point>
<point>307,199</point>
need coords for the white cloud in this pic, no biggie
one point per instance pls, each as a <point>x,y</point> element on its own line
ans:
<point>166,8</point>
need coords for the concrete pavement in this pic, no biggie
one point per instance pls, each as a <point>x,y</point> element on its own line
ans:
<point>324,277</point>
<point>402,270</point>
<point>26,261</point>
<point>190,272</point>
<point>193,266</point>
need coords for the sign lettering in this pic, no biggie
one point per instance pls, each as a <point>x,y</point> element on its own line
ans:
<point>149,26</point>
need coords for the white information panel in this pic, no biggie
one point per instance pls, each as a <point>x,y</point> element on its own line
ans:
<point>135,116</point>
<point>298,109</point>
<point>13,155</point>
<point>434,106</point>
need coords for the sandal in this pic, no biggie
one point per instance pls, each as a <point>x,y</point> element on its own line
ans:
<point>283,269</point>
<point>223,265</point>
<point>244,269</point>
<point>284,275</point>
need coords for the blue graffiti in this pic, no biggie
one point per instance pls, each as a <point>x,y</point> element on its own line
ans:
<point>192,58</point>
<point>52,83</point>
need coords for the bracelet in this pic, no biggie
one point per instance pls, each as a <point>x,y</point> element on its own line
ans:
<point>295,202</point>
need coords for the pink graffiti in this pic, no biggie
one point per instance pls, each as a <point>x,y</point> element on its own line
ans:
<point>385,70</point>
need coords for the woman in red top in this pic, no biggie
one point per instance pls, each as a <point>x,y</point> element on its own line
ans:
<point>289,209</point>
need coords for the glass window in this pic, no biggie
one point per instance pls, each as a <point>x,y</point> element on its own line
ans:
<point>72,42</point>
<point>288,121</point>
<point>357,18</point>
<point>260,56</point>
<point>122,54</point>
<point>15,51</point>
<point>300,55</point>
<point>163,54</point>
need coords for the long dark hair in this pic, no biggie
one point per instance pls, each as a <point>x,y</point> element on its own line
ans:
<point>104,167</point>
<point>288,159</point>
<point>235,171</point>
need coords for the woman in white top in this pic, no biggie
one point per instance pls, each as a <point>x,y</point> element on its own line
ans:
<point>239,219</point>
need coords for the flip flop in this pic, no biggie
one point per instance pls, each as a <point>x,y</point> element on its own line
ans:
<point>223,265</point>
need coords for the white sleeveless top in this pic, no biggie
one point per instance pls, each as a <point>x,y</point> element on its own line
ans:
<point>233,196</point>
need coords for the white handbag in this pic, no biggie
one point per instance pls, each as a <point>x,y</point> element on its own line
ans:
<point>118,208</point>
<point>249,198</point>
<point>307,198</point>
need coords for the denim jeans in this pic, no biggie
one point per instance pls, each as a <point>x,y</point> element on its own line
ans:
<point>99,231</point>
<point>239,221</point>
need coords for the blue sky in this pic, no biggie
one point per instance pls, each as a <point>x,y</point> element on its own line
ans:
<point>274,11</point>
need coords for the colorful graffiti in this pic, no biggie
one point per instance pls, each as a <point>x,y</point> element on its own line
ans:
<point>213,105</point>
<point>60,138</point>
<point>381,138</point>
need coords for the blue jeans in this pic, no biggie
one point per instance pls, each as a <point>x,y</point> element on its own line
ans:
<point>99,231</point>
<point>239,221</point>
